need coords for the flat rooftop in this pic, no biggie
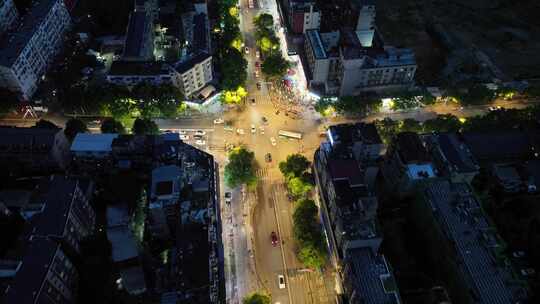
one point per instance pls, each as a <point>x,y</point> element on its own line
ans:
<point>135,34</point>
<point>314,40</point>
<point>348,134</point>
<point>87,142</point>
<point>410,148</point>
<point>136,68</point>
<point>456,152</point>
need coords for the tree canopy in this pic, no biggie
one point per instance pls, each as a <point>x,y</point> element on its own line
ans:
<point>299,187</point>
<point>241,168</point>
<point>295,165</point>
<point>74,126</point>
<point>307,232</point>
<point>110,125</point>
<point>45,124</point>
<point>233,68</point>
<point>257,298</point>
<point>275,66</point>
<point>143,126</point>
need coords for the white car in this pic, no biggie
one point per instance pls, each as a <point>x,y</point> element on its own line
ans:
<point>218,121</point>
<point>273,141</point>
<point>228,128</point>
<point>200,132</point>
<point>257,54</point>
<point>253,129</point>
<point>182,132</point>
<point>281,281</point>
<point>247,50</point>
<point>200,142</point>
<point>240,131</point>
<point>256,74</point>
<point>184,137</point>
<point>261,129</point>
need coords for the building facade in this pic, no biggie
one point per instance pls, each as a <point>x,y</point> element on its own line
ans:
<point>8,14</point>
<point>194,74</point>
<point>131,73</point>
<point>26,53</point>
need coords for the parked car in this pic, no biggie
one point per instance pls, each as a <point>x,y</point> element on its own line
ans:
<point>273,141</point>
<point>518,254</point>
<point>252,101</point>
<point>268,157</point>
<point>240,131</point>
<point>228,128</point>
<point>527,272</point>
<point>261,130</point>
<point>246,49</point>
<point>253,129</point>
<point>257,54</point>
<point>182,132</point>
<point>258,85</point>
<point>264,121</point>
<point>218,121</point>
<point>281,281</point>
<point>228,197</point>
<point>257,64</point>
<point>184,137</point>
<point>200,132</point>
<point>274,238</point>
<point>198,137</point>
<point>200,142</point>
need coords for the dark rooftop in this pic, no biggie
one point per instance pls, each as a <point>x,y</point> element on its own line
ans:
<point>513,145</point>
<point>149,68</point>
<point>200,32</point>
<point>135,34</point>
<point>30,276</point>
<point>348,134</point>
<point>13,43</point>
<point>410,148</point>
<point>32,138</point>
<point>345,169</point>
<point>183,67</point>
<point>456,152</point>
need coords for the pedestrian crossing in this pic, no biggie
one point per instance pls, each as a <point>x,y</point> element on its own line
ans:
<point>262,173</point>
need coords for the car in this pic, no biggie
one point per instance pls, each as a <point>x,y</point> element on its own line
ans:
<point>218,121</point>
<point>228,128</point>
<point>200,142</point>
<point>182,132</point>
<point>184,137</point>
<point>198,137</point>
<point>252,101</point>
<point>527,272</point>
<point>273,141</point>
<point>261,129</point>
<point>257,54</point>
<point>253,129</point>
<point>281,281</point>
<point>257,64</point>
<point>246,49</point>
<point>200,132</point>
<point>518,254</point>
<point>240,131</point>
<point>268,157</point>
<point>228,197</point>
<point>256,74</point>
<point>264,121</point>
<point>274,238</point>
<point>258,85</point>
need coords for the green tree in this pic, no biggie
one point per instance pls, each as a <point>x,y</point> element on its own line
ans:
<point>442,123</point>
<point>410,125</point>
<point>233,69</point>
<point>241,168</point>
<point>8,101</point>
<point>476,94</point>
<point>45,124</point>
<point>307,232</point>
<point>299,187</point>
<point>312,257</point>
<point>294,166</point>
<point>110,125</point>
<point>264,21</point>
<point>143,126</point>
<point>355,105</point>
<point>387,129</point>
<point>257,298</point>
<point>275,66</point>
<point>74,126</point>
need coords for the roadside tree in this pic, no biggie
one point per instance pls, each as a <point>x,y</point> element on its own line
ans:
<point>143,126</point>
<point>74,126</point>
<point>257,298</point>
<point>275,66</point>
<point>110,125</point>
<point>294,166</point>
<point>241,168</point>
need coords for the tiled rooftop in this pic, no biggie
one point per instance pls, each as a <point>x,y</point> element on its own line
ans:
<point>461,218</point>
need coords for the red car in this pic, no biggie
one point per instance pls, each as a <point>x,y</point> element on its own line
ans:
<point>274,238</point>
<point>257,64</point>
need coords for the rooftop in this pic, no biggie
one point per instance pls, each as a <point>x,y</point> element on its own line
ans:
<point>165,183</point>
<point>87,142</point>
<point>373,281</point>
<point>314,39</point>
<point>346,169</point>
<point>461,218</point>
<point>187,65</point>
<point>136,68</point>
<point>348,134</point>
<point>410,148</point>
<point>135,34</point>
<point>496,146</point>
<point>33,139</point>
<point>28,280</point>
<point>13,43</point>
<point>200,32</point>
<point>455,152</point>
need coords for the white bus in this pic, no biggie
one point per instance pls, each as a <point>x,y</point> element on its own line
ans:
<point>290,134</point>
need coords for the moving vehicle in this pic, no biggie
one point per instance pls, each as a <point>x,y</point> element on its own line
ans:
<point>228,197</point>
<point>264,121</point>
<point>273,141</point>
<point>246,49</point>
<point>184,137</point>
<point>256,74</point>
<point>252,101</point>
<point>258,85</point>
<point>257,64</point>
<point>274,238</point>
<point>200,132</point>
<point>240,131</point>
<point>200,142</point>
<point>268,157</point>
<point>290,134</point>
<point>257,54</point>
<point>261,129</point>
<point>253,129</point>
<point>182,132</point>
<point>218,121</point>
<point>197,137</point>
<point>281,281</point>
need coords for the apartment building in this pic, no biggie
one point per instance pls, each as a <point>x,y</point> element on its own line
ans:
<point>407,164</point>
<point>131,73</point>
<point>26,52</point>
<point>303,16</point>
<point>139,43</point>
<point>468,250</point>
<point>194,73</point>
<point>46,275</point>
<point>8,14</point>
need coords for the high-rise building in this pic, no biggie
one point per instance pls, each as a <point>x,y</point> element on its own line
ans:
<point>8,14</point>
<point>27,51</point>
